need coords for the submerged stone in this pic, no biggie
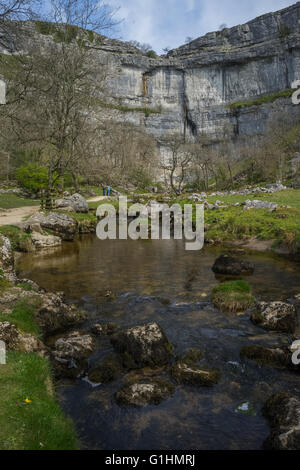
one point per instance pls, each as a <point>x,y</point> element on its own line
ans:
<point>146,392</point>
<point>194,375</point>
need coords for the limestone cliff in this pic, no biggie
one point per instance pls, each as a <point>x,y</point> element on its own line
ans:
<point>191,88</point>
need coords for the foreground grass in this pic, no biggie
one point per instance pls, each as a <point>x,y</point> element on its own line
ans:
<point>12,201</point>
<point>232,296</point>
<point>22,315</point>
<point>30,418</point>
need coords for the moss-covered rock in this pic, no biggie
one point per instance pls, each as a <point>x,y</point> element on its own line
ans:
<point>276,316</point>
<point>151,391</point>
<point>276,357</point>
<point>192,356</point>
<point>283,412</point>
<point>104,328</point>
<point>226,264</point>
<point>194,375</point>
<point>146,345</point>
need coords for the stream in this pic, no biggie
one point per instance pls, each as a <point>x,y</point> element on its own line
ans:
<point>133,282</point>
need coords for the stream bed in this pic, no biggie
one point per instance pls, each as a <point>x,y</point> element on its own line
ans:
<point>133,282</point>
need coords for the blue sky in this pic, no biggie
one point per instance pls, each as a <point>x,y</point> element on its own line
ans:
<point>166,23</point>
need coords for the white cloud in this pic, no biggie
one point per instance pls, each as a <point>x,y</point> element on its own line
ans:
<point>169,22</point>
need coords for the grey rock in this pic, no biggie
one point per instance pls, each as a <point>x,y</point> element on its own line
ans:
<point>146,344</point>
<point>226,264</point>
<point>61,225</point>
<point>283,412</point>
<point>277,316</point>
<point>76,201</point>
<point>74,346</point>
<point>145,392</point>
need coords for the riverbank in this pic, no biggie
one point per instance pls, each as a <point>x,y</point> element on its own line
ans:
<point>30,416</point>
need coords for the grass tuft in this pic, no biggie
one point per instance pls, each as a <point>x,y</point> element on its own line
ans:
<point>232,296</point>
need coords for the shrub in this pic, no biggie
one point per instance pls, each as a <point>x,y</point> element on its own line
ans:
<point>32,177</point>
<point>232,296</point>
<point>151,54</point>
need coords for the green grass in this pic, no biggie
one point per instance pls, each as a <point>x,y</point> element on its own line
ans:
<point>290,197</point>
<point>232,296</point>
<point>261,99</point>
<point>19,240</point>
<point>4,283</point>
<point>12,201</point>
<point>22,315</point>
<point>39,424</point>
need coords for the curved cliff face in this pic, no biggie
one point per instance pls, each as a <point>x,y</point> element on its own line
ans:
<point>190,90</point>
<point>193,85</point>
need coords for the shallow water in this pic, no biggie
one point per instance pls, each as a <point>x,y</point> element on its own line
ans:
<point>160,281</point>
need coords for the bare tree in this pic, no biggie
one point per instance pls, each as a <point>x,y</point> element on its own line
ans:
<point>177,162</point>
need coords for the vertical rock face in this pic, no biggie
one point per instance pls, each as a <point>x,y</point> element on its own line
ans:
<point>190,89</point>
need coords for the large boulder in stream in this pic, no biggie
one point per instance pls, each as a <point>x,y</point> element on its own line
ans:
<point>54,314</point>
<point>149,391</point>
<point>74,346</point>
<point>283,412</point>
<point>76,201</point>
<point>143,345</point>
<point>276,316</point>
<point>226,264</point>
<point>59,224</point>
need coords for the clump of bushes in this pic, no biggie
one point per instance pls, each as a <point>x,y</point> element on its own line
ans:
<point>32,177</point>
<point>233,296</point>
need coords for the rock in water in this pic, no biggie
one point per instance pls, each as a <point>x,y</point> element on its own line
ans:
<point>194,375</point>
<point>54,314</point>
<point>276,316</point>
<point>76,201</point>
<point>228,265</point>
<point>74,346</point>
<point>146,392</point>
<point>283,412</point>
<point>61,225</point>
<point>146,345</point>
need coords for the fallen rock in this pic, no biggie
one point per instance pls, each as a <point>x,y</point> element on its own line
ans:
<point>147,392</point>
<point>283,412</point>
<point>276,316</point>
<point>226,264</point>
<point>61,225</point>
<point>55,315</point>
<point>41,241</point>
<point>16,340</point>
<point>146,345</point>
<point>76,201</point>
<point>194,375</point>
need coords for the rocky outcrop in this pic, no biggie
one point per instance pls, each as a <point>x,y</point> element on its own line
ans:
<point>55,314</point>
<point>151,391</point>
<point>276,316</point>
<point>190,90</point>
<point>76,201</point>
<point>145,345</point>
<point>255,204</point>
<point>61,225</point>
<point>283,412</point>
<point>226,264</point>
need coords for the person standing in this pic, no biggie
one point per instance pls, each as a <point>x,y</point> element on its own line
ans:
<point>104,190</point>
<point>108,190</point>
